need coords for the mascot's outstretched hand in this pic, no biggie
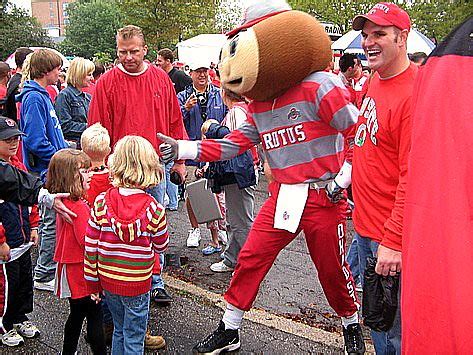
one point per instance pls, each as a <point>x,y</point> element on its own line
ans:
<point>169,148</point>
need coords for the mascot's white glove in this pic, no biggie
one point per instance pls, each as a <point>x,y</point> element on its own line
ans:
<point>335,188</point>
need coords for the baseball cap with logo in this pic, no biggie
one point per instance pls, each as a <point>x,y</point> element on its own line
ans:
<point>384,14</point>
<point>8,128</point>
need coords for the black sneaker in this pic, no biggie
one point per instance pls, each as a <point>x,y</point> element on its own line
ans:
<point>353,336</point>
<point>220,340</point>
<point>159,295</point>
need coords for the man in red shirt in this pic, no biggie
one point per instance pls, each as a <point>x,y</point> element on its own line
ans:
<point>135,98</point>
<point>382,143</point>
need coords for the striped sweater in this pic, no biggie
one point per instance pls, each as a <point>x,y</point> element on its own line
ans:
<point>124,232</point>
<point>299,131</point>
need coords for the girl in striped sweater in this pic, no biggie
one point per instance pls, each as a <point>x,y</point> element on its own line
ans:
<point>69,172</point>
<point>127,226</point>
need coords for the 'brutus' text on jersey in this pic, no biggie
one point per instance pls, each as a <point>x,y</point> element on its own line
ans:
<point>283,137</point>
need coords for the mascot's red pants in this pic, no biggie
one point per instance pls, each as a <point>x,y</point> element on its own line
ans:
<point>323,224</point>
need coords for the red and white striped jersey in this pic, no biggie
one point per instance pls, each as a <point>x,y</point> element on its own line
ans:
<point>299,131</point>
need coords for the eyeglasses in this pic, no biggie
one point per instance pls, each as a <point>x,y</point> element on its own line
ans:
<point>12,139</point>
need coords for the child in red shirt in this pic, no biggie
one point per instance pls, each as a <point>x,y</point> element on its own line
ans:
<point>95,142</point>
<point>69,172</point>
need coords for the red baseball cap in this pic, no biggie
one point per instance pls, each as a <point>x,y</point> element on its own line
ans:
<point>384,14</point>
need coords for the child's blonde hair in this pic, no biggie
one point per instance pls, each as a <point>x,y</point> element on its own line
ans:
<point>95,142</point>
<point>206,125</point>
<point>134,163</point>
<point>63,172</point>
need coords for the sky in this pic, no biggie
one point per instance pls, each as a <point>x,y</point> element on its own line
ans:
<point>24,4</point>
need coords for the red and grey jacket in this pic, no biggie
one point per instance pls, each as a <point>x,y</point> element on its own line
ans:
<point>301,131</point>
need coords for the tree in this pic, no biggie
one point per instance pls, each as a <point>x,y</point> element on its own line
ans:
<point>18,29</point>
<point>92,29</point>
<point>229,14</point>
<point>166,22</point>
<point>435,18</point>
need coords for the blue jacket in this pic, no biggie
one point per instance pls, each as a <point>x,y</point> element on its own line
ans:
<point>16,223</point>
<point>39,122</point>
<point>239,170</point>
<point>216,110</point>
<point>72,106</point>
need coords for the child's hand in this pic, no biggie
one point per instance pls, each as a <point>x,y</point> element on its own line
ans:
<point>34,236</point>
<point>4,252</point>
<point>199,173</point>
<point>96,297</point>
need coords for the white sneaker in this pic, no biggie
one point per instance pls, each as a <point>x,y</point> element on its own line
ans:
<point>220,267</point>
<point>222,236</point>
<point>194,238</point>
<point>27,329</point>
<point>45,286</point>
<point>12,338</point>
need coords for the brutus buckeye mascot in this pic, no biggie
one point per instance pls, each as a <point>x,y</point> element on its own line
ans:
<point>300,114</point>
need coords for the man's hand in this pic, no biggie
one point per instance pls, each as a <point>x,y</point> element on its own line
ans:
<point>389,261</point>
<point>180,168</point>
<point>95,297</point>
<point>60,208</point>
<point>169,148</point>
<point>34,237</point>
<point>4,252</point>
<point>334,192</point>
<point>191,102</point>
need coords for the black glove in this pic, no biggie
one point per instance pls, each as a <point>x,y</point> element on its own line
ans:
<point>169,148</point>
<point>334,192</point>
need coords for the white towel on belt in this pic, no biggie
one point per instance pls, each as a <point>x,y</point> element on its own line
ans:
<point>290,205</point>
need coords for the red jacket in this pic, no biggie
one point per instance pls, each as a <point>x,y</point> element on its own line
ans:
<point>70,238</point>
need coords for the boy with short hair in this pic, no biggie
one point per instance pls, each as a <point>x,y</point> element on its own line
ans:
<point>17,228</point>
<point>95,142</point>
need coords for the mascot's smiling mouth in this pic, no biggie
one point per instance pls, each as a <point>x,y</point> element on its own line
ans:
<point>235,81</point>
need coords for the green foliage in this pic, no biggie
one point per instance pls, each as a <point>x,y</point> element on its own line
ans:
<point>102,57</point>
<point>18,29</point>
<point>92,28</point>
<point>434,18</point>
<point>166,22</point>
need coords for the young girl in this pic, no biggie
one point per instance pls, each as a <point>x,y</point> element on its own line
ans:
<point>126,228</point>
<point>69,172</point>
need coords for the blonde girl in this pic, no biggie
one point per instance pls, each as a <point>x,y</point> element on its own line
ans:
<point>127,227</point>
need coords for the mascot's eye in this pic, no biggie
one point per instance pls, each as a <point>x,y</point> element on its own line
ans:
<point>233,45</point>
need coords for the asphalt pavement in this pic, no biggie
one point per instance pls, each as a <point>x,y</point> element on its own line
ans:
<point>291,314</point>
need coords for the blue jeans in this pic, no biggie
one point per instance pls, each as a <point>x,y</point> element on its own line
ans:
<point>171,189</point>
<point>353,260</point>
<point>45,269</point>
<point>385,343</point>
<point>130,318</point>
<point>158,193</point>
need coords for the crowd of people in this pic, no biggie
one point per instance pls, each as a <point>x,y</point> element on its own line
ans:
<point>115,148</point>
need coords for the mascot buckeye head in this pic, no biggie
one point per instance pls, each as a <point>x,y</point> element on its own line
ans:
<point>274,49</point>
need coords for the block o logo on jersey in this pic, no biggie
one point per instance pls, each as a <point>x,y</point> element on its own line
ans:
<point>360,136</point>
<point>294,114</point>
<point>10,122</point>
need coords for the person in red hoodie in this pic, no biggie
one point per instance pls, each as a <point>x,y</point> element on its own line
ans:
<point>18,231</point>
<point>126,228</point>
<point>69,172</point>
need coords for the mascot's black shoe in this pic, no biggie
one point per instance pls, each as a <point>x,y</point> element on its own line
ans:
<point>220,340</point>
<point>353,336</point>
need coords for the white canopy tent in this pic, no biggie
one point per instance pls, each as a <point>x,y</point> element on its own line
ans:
<point>203,48</point>
<point>351,43</point>
<point>11,58</point>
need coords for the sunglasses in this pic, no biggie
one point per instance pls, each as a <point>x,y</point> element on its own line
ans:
<point>12,139</point>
